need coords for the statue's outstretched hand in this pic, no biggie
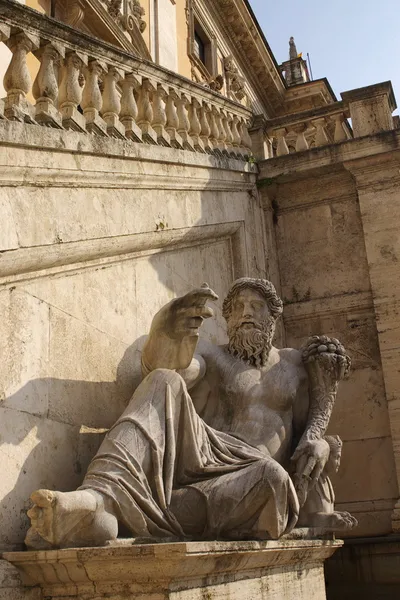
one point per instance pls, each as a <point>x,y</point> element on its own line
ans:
<point>184,316</point>
<point>175,330</point>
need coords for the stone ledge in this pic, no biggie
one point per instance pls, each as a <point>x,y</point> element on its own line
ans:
<point>34,137</point>
<point>180,570</point>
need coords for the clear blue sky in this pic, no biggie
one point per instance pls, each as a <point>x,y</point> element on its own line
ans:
<point>353,43</point>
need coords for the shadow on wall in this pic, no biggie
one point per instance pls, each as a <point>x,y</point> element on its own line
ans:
<point>57,450</point>
<point>55,426</point>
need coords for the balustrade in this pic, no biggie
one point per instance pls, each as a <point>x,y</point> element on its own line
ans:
<point>86,86</point>
<point>300,132</point>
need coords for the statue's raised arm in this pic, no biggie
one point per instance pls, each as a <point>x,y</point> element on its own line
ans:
<point>174,331</point>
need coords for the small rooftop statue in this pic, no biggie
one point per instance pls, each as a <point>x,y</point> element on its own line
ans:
<point>217,442</point>
<point>293,54</point>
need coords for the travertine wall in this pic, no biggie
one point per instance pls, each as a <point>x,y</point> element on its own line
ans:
<point>99,235</point>
<point>336,268</point>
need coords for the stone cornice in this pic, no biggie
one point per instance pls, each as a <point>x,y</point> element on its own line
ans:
<point>262,72</point>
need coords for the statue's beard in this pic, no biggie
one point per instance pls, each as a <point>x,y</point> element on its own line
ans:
<point>254,344</point>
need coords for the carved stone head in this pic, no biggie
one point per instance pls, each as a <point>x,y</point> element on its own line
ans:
<point>251,309</point>
<point>335,455</point>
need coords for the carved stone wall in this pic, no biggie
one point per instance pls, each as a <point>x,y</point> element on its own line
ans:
<point>333,226</point>
<point>96,241</point>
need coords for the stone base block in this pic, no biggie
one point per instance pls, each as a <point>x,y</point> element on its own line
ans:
<point>283,570</point>
<point>47,114</point>
<point>11,587</point>
<point>365,568</point>
<point>73,119</point>
<point>149,136</point>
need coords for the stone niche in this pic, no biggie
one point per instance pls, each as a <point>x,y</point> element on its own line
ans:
<point>283,570</point>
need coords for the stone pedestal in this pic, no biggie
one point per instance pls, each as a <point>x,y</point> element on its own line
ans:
<point>283,570</point>
<point>365,568</point>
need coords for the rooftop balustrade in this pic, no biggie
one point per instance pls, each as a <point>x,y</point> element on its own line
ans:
<point>370,110</point>
<point>86,85</point>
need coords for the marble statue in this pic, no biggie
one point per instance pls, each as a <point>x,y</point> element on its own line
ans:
<point>217,442</point>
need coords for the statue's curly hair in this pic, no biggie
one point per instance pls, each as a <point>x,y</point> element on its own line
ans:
<point>262,286</point>
<point>334,441</point>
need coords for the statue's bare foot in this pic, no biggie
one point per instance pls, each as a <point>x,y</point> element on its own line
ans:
<point>70,519</point>
<point>336,521</point>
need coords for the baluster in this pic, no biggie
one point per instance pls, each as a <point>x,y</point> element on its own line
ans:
<point>281,147</point>
<point>228,132</point>
<point>195,126</point>
<point>247,136</point>
<point>172,119</point>
<point>184,125</point>
<point>340,134</point>
<point>92,101</point>
<point>145,116</point>
<point>214,130</point>
<point>321,137</point>
<point>17,80</point>
<point>221,131</point>
<point>45,87</point>
<point>112,103</point>
<point>129,109</point>
<point>301,142</point>
<point>160,115</point>
<point>269,146</point>
<point>205,130</point>
<point>236,135</point>
<point>242,147</point>
<point>5,32</point>
<point>245,140</point>
<point>70,94</point>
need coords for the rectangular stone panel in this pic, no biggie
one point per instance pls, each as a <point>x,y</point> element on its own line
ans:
<point>321,251</point>
<point>39,453</point>
<point>367,471</point>
<point>24,330</point>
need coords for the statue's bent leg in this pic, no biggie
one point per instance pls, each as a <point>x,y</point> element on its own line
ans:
<point>160,444</point>
<point>255,502</point>
<point>118,484</point>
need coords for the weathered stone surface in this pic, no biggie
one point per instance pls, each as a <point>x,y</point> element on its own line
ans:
<point>364,570</point>
<point>330,290</point>
<point>11,587</point>
<point>156,221</point>
<point>39,452</point>
<point>203,431</point>
<point>182,571</point>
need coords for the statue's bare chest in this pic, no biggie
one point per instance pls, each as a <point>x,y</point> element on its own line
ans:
<point>235,382</point>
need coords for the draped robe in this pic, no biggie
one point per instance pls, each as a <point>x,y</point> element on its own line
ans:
<point>168,473</point>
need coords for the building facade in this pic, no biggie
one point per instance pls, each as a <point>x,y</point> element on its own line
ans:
<point>147,147</point>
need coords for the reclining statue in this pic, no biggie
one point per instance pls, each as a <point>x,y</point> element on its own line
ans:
<point>217,442</point>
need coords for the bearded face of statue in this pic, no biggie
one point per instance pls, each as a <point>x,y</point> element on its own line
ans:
<point>251,328</point>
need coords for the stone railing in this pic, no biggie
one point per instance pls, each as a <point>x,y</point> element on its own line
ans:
<point>85,85</point>
<point>310,129</point>
<point>369,108</point>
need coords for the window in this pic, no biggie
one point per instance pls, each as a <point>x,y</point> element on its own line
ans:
<point>199,48</point>
<point>202,48</point>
